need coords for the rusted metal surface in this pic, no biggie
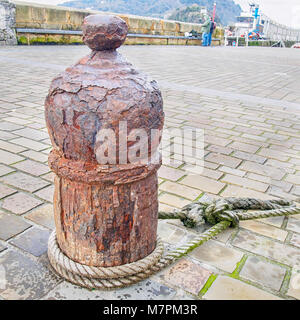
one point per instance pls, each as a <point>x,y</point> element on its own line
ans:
<point>104,32</point>
<point>105,215</point>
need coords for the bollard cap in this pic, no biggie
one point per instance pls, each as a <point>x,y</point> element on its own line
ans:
<point>104,32</point>
<point>103,94</point>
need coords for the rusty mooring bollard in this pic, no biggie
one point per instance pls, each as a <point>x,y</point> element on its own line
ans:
<point>100,114</point>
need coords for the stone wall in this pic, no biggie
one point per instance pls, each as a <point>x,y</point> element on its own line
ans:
<point>35,16</point>
<point>7,23</point>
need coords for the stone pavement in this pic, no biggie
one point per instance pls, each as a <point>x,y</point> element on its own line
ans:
<point>246,100</point>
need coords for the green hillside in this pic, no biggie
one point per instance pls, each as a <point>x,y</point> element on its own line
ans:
<point>227,10</point>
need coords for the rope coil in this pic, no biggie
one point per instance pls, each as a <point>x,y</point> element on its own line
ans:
<point>222,213</point>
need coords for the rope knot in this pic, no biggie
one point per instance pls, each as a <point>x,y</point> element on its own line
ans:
<point>213,211</point>
<point>228,209</point>
<point>219,210</point>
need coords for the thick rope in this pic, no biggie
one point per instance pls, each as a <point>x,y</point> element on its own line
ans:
<point>222,213</point>
<point>103,272</point>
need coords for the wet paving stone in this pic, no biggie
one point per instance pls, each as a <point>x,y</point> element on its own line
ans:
<point>20,203</point>
<point>42,215</point>
<point>218,255</point>
<point>274,221</point>
<point>34,241</point>
<point>165,230</point>
<point>187,275</point>
<point>226,288</point>
<point>297,217</point>
<point>264,229</point>
<point>295,240</point>
<point>268,248</point>
<point>24,181</point>
<point>68,291</point>
<point>294,285</point>
<point>11,225</point>
<point>264,273</point>
<point>293,225</point>
<point>182,295</point>
<point>26,279</point>
<point>225,235</point>
<point>145,290</point>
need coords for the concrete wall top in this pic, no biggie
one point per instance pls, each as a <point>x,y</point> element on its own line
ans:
<point>40,16</point>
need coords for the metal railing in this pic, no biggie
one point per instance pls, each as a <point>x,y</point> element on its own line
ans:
<point>130,35</point>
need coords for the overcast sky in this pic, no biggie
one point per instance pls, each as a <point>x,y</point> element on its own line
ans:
<point>283,11</point>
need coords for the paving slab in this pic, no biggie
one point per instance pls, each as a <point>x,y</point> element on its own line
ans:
<point>180,190</point>
<point>274,221</point>
<point>218,255</point>
<point>9,126</point>
<point>26,279</point>
<point>30,144</point>
<point>6,191</point>
<point>20,203</point>
<point>295,240</point>
<point>145,290</point>
<point>32,167</point>
<point>267,247</point>
<point>31,134</point>
<point>46,193</point>
<point>11,147</point>
<point>4,170</point>
<point>34,241</point>
<point>43,216</point>
<point>35,155</point>
<point>171,234</point>
<point>264,229</point>
<point>24,181</point>
<point>263,272</point>
<point>11,225</point>
<point>225,235</point>
<point>173,200</point>
<point>293,225</point>
<point>187,275</point>
<point>294,286</point>
<point>170,173</point>
<point>251,149</point>
<point>203,183</point>
<point>68,291</point>
<point>9,158</point>
<point>226,288</point>
<point>2,247</point>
